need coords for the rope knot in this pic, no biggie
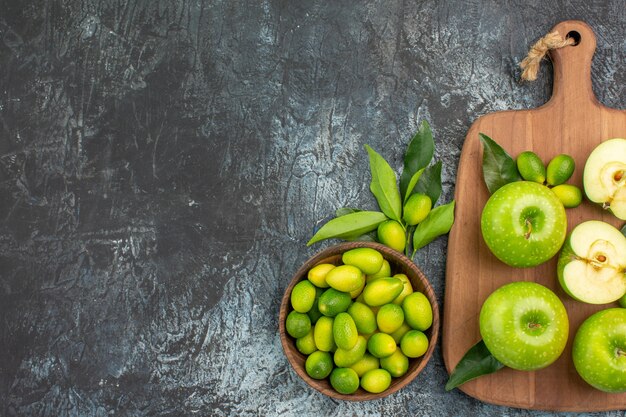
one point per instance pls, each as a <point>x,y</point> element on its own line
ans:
<point>530,64</point>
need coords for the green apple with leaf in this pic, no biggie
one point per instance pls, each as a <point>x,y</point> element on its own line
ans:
<point>523,325</point>
<point>523,222</point>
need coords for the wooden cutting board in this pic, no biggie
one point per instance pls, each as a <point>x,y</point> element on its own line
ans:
<point>571,122</point>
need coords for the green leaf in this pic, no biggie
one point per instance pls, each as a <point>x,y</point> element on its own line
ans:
<point>430,182</point>
<point>384,186</point>
<point>477,361</point>
<point>349,226</point>
<point>418,155</point>
<point>346,210</point>
<point>366,237</point>
<point>498,167</point>
<point>438,222</point>
<point>624,230</point>
<point>414,179</point>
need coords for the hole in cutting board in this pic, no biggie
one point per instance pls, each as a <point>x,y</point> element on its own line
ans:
<point>574,35</point>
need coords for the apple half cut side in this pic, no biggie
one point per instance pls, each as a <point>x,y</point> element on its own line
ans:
<point>604,177</point>
<point>592,263</point>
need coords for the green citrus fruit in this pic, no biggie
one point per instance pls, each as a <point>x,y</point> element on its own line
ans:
<point>382,291</point>
<point>402,330</point>
<point>396,364</point>
<point>383,272</point>
<point>560,169</point>
<point>367,260</point>
<point>314,313</point>
<point>306,344</point>
<point>323,334</point>
<point>344,331</point>
<point>358,291</point>
<point>349,357</point>
<point>297,324</point>
<point>303,296</point>
<point>531,167</point>
<point>392,234</point>
<point>366,363</point>
<point>570,195</point>
<point>344,380</point>
<point>406,290</point>
<point>333,302</point>
<point>363,317</point>
<point>345,278</point>
<point>389,318</point>
<point>417,311</point>
<point>416,209</point>
<point>318,364</point>
<point>414,344</point>
<point>376,381</point>
<point>381,345</point>
<point>317,274</point>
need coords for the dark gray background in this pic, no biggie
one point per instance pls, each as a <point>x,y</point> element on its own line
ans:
<point>163,163</point>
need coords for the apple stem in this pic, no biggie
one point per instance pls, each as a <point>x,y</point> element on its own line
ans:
<point>529,225</point>
<point>619,352</point>
<point>534,325</point>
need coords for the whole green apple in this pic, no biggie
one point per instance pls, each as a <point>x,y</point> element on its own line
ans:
<point>524,224</point>
<point>599,350</point>
<point>524,325</point>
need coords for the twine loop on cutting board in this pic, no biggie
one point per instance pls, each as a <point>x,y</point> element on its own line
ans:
<point>530,64</point>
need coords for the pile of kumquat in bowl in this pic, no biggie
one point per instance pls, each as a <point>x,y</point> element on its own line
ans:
<point>358,321</point>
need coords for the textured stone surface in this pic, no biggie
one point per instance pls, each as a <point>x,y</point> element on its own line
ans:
<point>162,164</point>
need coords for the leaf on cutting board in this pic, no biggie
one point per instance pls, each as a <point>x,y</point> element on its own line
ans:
<point>624,230</point>
<point>498,167</point>
<point>418,155</point>
<point>430,182</point>
<point>437,223</point>
<point>384,186</point>
<point>349,226</point>
<point>477,361</point>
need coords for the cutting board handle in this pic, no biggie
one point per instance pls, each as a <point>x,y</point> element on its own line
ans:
<point>572,65</point>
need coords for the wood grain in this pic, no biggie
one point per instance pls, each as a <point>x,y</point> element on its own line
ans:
<point>571,122</point>
<point>399,264</point>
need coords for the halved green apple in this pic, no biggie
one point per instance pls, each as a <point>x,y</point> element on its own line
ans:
<point>604,176</point>
<point>592,263</point>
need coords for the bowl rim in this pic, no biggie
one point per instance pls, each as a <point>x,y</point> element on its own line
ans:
<point>291,352</point>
